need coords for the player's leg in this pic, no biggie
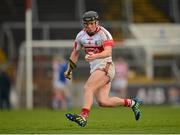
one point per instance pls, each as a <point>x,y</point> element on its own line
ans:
<point>96,80</point>
<point>102,97</point>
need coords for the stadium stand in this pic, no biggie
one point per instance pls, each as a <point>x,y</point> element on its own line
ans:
<point>56,10</point>
<point>145,11</point>
<point>11,11</point>
<point>47,11</point>
<point>164,6</point>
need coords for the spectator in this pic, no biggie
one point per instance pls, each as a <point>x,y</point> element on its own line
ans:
<point>120,81</point>
<point>60,97</point>
<point>5,86</point>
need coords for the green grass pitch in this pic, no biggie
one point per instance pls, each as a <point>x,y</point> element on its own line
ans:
<point>157,119</point>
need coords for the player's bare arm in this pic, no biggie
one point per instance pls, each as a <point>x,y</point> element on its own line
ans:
<point>74,56</point>
<point>72,63</point>
<point>106,53</point>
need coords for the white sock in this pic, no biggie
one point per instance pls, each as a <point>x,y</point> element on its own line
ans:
<point>132,102</point>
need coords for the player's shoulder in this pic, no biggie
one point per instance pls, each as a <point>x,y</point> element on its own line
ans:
<point>80,34</point>
<point>105,31</point>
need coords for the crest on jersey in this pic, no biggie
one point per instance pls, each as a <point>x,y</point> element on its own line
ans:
<point>99,42</point>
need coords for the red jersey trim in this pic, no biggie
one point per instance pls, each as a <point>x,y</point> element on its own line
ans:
<point>75,45</point>
<point>94,49</point>
<point>109,43</point>
<point>98,29</point>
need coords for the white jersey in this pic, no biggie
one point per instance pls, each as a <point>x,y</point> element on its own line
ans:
<point>94,44</point>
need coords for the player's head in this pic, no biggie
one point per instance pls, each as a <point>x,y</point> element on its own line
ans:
<point>90,21</point>
<point>90,16</point>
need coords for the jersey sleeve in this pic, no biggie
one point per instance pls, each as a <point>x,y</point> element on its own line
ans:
<point>77,43</point>
<point>107,38</point>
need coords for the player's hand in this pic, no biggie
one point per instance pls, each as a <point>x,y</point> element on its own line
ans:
<point>86,57</point>
<point>68,74</point>
<point>91,57</point>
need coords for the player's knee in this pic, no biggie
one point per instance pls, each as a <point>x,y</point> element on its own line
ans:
<point>102,103</point>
